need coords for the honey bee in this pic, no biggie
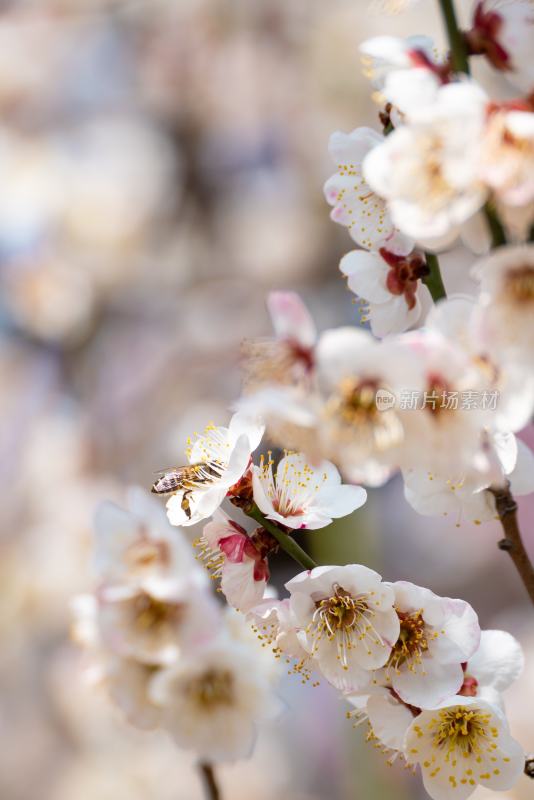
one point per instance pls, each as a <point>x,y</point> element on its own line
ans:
<point>186,480</point>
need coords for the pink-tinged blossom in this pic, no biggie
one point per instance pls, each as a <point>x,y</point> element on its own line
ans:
<point>288,358</point>
<point>302,495</point>
<point>239,560</point>
<point>437,634</point>
<point>503,31</point>
<point>391,286</point>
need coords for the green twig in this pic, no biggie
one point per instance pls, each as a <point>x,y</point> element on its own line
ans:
<point>433,281</point>
<point>459,59</point>
<point>287,543</point>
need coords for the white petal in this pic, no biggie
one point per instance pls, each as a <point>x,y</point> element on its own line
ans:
<point>499,660</point>
<point>291,319</point>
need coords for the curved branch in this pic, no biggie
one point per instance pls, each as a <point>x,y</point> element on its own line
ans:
<point>512,542</point>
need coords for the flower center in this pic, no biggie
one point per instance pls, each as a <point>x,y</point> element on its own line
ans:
<point>146,553</point>
<point>356,400</point>
<point>460,728</point>
<point>519,286</point>
<point>345,620</point>
<point>151,613</point>
<point>412,641</point>
<point>212,689</point>
<point>437,391</point>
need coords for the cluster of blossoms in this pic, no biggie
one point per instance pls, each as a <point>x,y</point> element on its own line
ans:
<point>157,640</point>
<point>451,167</point>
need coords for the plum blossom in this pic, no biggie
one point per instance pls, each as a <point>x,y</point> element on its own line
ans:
<point>502,31</point>
<point>211,700</point>
<point>458,319</point>
<point>427,169</point>
<point>237,558</point>
<point>461,743</point>
<point>218,458</point>
<point>506,319</point>
<point>301,495</point>
<point>497,663</point>
<point>152,626</point>
<point>387,715</point>
<point>345,620</point>
<point>466,497</point>
<point>437,635</point>
<point>289,357</point>
<point>507,156</point>
<point>443,418</point>
<point>391,285</point>
<point>355,205</point>
<point>137,546</point>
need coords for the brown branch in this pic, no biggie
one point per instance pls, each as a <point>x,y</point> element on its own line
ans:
<point>210,781</point>
<point>512,542</point>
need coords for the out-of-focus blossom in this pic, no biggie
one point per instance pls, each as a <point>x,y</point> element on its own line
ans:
<point>466,497</point>
<point>427,170</point>
<point>302,495</point>
<point>345,620</point>
<point>506,321</point>
<point>391,285</point>
<point>462,743</point>
<point>212,700</point>
<point>507,156</point>
<point>289,357</point>
<point>502,31</point>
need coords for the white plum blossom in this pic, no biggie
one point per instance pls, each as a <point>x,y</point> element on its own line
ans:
<point>345,620</point>
<point>445,421</point>
<point>301,495</point>
<point>239,560</point>
<point>138,546</point>
<point>388,717</point>
<point>390,284</point>
<point>356,373</point>
<point>383,55</point>
<point>437,634</point>
<point>152,626</point>
<point>218,458</point>
<point>466,497</point>
<point>502,31</point>
<point>511,388</point>
<point>507,156</point>
<point>355,205</point>
<point>289,357</point>
<point>212,699</point>
<point>127,682</point>
<point>427,169</point>
<point>463,742</point>
<point>497,663</point>
<point>506,318</point>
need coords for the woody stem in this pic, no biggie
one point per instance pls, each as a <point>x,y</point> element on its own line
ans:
<point>512,542</point>
<point>287,543</point>
<point>209,780</point>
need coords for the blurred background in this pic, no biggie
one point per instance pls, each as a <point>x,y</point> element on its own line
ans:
<point>161,168</point>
